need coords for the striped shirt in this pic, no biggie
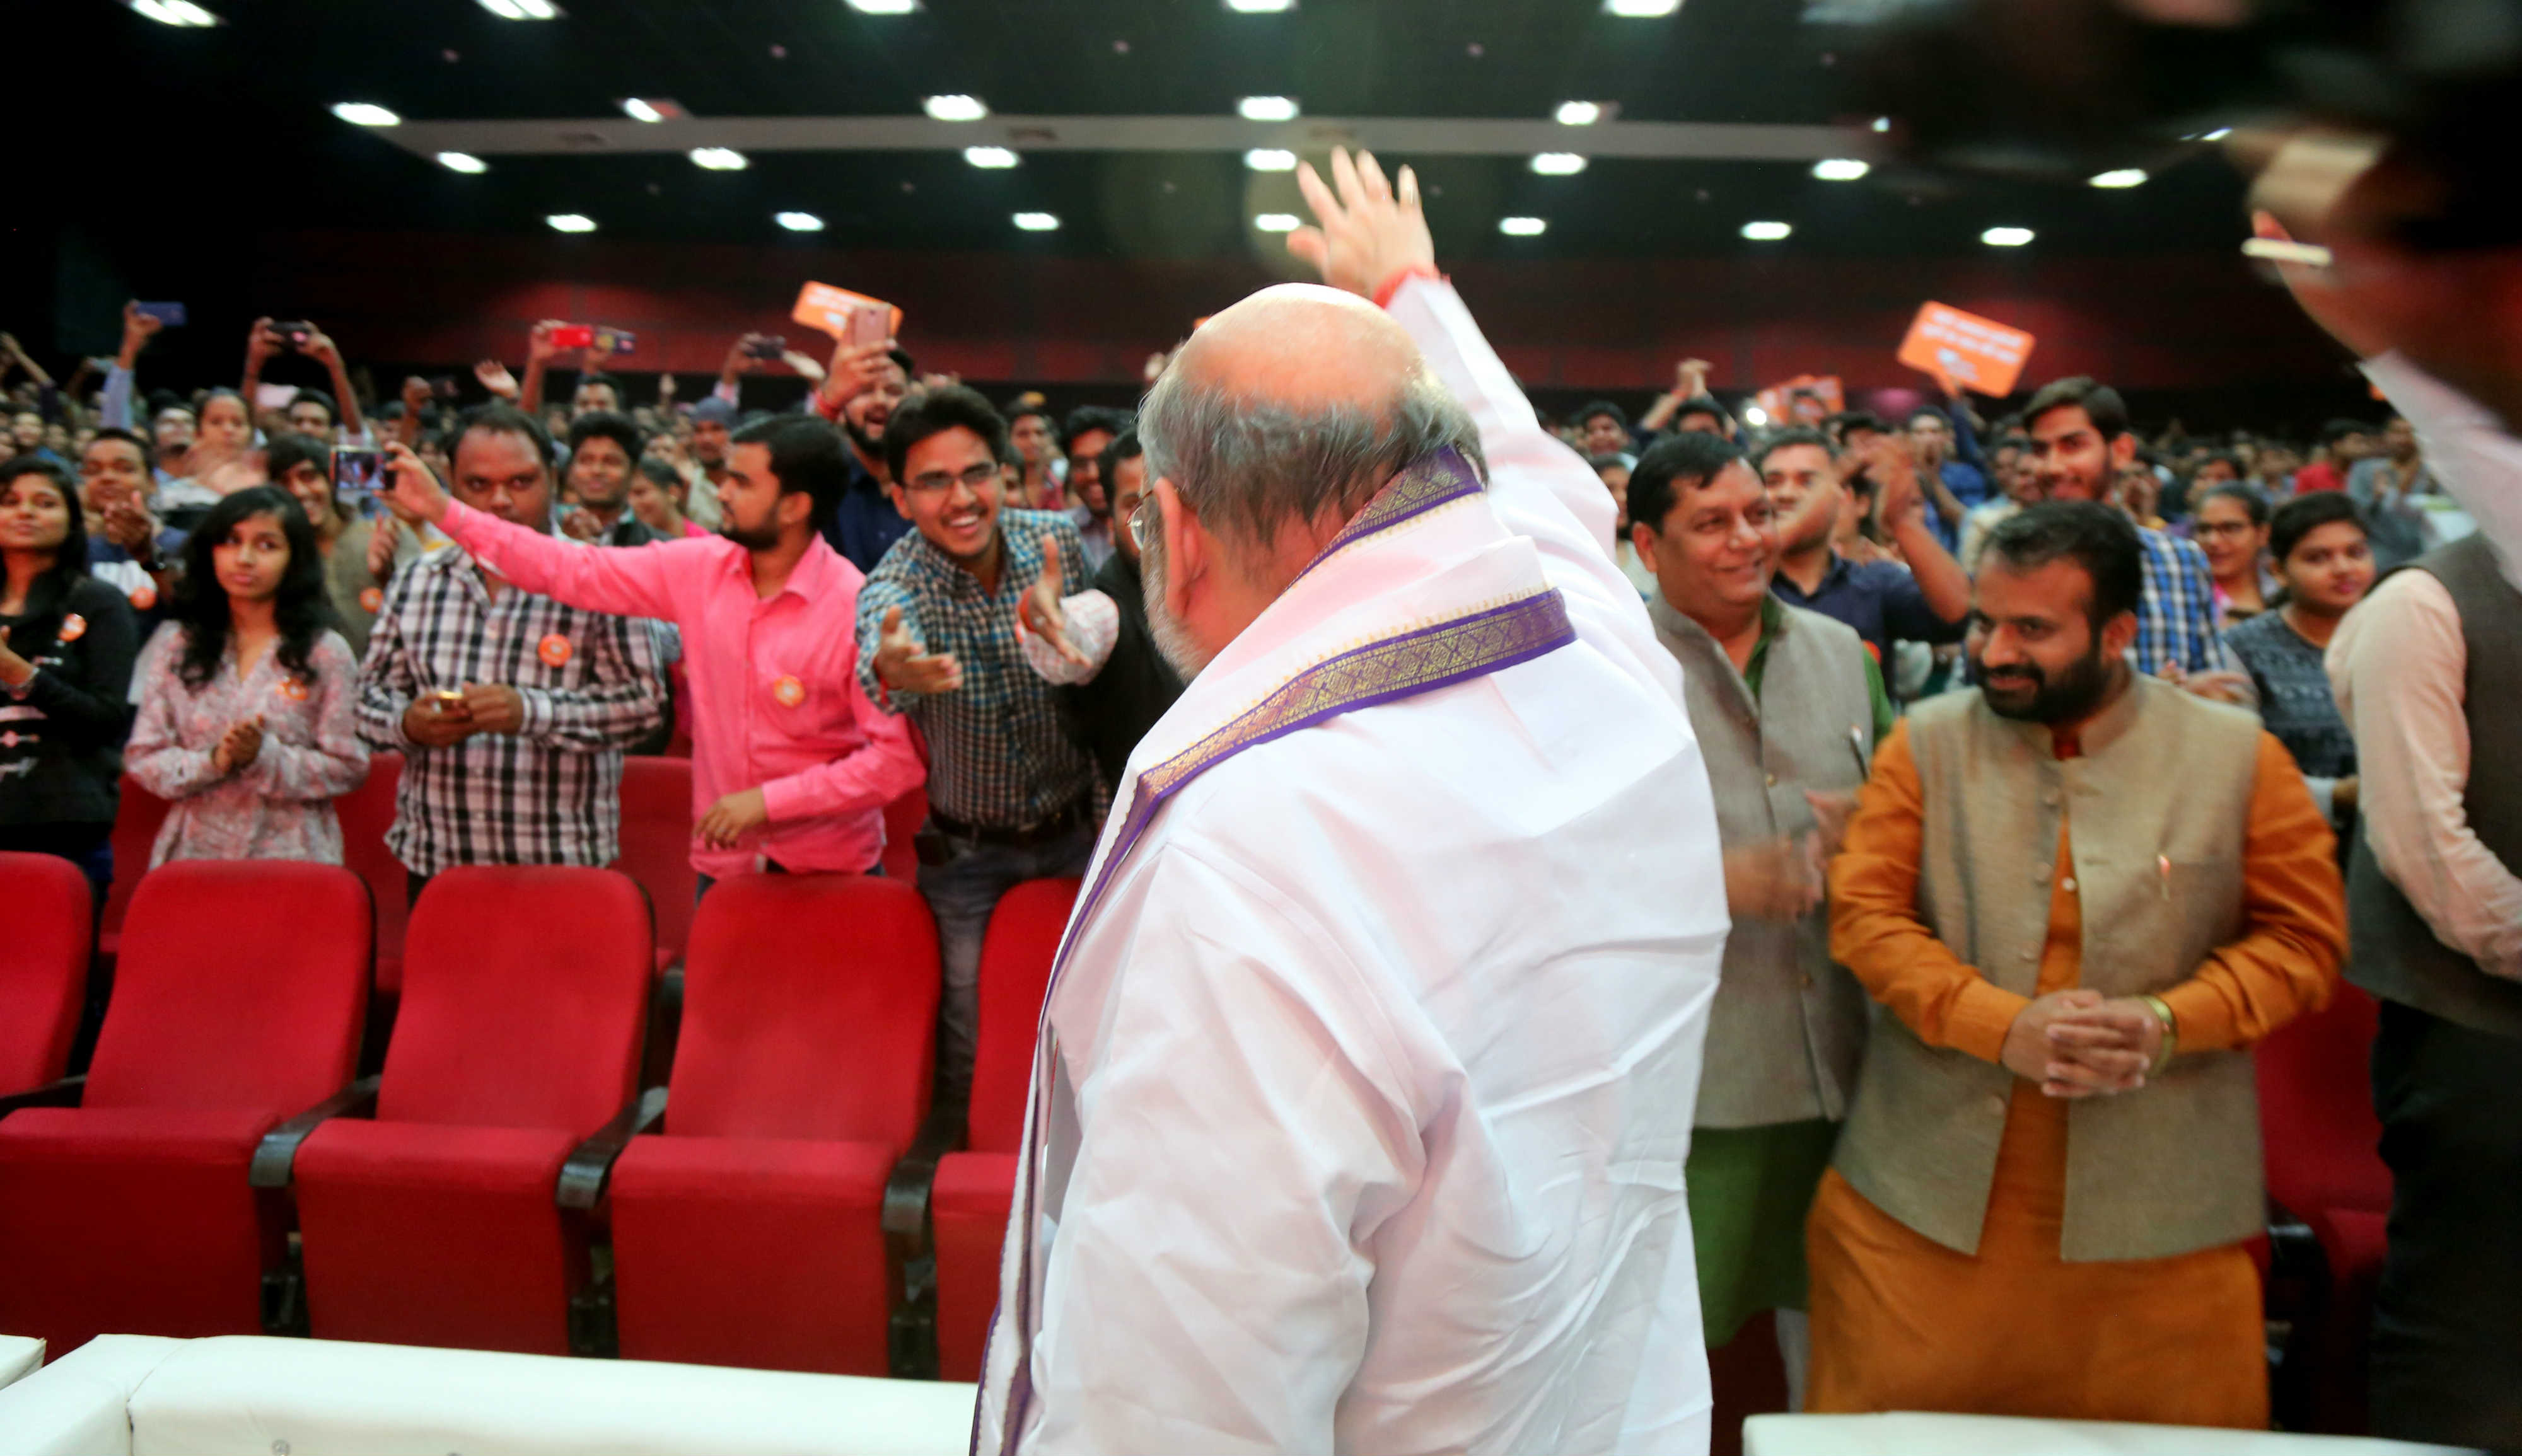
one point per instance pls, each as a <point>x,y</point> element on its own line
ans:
<point>998,757</point>
<point>592,685</point>
<point>2175,615</point>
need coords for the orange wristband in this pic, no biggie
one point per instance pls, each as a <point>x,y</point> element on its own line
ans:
<point>1392,285</point>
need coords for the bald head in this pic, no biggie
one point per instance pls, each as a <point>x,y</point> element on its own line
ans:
<point>1302,347</point>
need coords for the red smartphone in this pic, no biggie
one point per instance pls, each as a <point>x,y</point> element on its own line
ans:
<point>573,335</point>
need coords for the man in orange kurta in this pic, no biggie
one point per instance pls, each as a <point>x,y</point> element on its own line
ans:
<point>2063,1237</point>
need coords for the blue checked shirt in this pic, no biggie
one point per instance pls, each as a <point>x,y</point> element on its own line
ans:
<point>2175,617</point>
<point>998,756</point>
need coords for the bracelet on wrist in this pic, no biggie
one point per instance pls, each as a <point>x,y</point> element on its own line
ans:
<point>2161,1010</point>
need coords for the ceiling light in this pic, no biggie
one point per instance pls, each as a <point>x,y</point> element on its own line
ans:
<point>1270,160</point>
<point>653,109</point>
<point>2006,237</point>
<point>462,162</point>
<point>1521,227</point>
<point>175,13</point>
<point>1038,222</point>
<point>1882,123</point>
<point>2217,135</point>
<point>800,222</point>
<point>1277,222</point>
<point>885,7</point>
<point>2119,177</point>
<point>522,10</point>
<point>1266,108</point>
<point>1767,232</point>
<point>1558,164</point>
<point>989,157</point>
<point>718,159</point>
<point>365,113</point>
<point>571,222</point>
<point>1641,10</point>
<point>955,107</point>
<point>1259,6</point>
<point>1839,169</point>
<point>1579,112</point>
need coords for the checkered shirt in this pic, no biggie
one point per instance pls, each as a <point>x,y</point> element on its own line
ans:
<point>2175,617</point>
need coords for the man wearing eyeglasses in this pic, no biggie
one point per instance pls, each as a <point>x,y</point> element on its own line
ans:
<point>1011,795</point>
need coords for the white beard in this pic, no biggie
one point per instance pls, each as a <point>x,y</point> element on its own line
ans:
<point>1173,639</point>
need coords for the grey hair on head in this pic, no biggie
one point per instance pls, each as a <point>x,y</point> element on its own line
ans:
<point>1250,466</point>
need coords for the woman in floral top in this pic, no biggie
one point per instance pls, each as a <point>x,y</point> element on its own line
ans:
<point>246,696</point>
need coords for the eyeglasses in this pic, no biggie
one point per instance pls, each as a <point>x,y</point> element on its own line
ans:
<point>1142,523</point>
<point>937,482</point>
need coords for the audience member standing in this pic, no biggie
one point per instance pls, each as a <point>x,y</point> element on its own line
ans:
<point>1884,601</point>
<point>2390,487</point>
<point>66,644</point>
<point>247,718</point>
<point>1089,433</point>
<point>2429,671</point>
<point>513,710</point>
<point>1787,705</point>
<point>792,766</point>
<point>2039,1203</point>
<point>358,552</point>
<point>1011,795</point>
<point>865,387</point>
<point>2325,567</point>
<point>1098,642</point>
<point>604,449</point>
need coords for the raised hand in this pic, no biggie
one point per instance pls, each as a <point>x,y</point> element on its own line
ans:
<point>1368,233</point>
<point>1040,610</point>
<point>260,344</point>
<point>496,379</point>
<point>319,348</point>
<point>1689,378</point>
<point>856,368</point>
<point>412,487</point>
<point>137,329</point>
<point>540,348</point>
<point>905,667</point>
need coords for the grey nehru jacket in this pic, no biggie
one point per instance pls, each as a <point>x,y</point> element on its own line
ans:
<point>1789,1026</point>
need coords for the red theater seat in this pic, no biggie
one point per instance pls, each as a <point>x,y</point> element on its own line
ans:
<point>238,1003</point>
<point>902,820</point>
<point>749,1233</point>
<point>657,844</point>
<point>525,997</point>
<point>137,815</point>
<point>366,813</point>
<point>968,1204</point>
<point>43,966</point>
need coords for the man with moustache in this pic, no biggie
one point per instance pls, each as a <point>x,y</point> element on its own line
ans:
<point>2039,1203</point>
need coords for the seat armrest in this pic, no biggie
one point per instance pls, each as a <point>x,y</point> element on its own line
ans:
<point>64,1093</point>
<point>275,1158</point>
<point>582,1179</point>
<point>911,1331</point>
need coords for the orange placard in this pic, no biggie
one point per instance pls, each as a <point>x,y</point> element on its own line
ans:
<point>1807,399</point>
<point>819,305</point>
<point>1966,350</point>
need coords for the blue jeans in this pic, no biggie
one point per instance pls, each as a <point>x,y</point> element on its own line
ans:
<point>962,892</point>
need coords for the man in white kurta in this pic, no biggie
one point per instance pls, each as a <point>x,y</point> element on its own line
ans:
<point>1368,1069</point>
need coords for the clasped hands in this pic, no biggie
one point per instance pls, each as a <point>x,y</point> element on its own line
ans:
<point>2078,1043</point>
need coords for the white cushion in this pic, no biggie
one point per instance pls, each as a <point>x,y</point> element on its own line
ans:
<point>19,1356</point>
<point>1911,1434</point>
<point>75,1406</point>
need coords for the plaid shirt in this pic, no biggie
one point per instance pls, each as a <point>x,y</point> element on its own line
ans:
<point>2175,617</point>
<point>998,756</point>
<point>551,794</point>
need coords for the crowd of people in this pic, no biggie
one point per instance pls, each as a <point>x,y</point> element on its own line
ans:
<point>2048,761</point>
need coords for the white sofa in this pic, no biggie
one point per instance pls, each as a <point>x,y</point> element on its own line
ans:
<point>1912,1434</point>
<point>244,1396</point>
<point>18,1356</point>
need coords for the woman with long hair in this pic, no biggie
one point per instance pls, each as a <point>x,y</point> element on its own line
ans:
<point>66,641</point>
<point>247,696</point>
<point>2324,558</point>
<point>2232,527</point>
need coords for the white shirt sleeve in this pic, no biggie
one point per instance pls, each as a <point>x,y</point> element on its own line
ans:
<point>1207,1288</point>
<point>2397,665</point>
<point>1093,625</point>
<point>2467,448</point>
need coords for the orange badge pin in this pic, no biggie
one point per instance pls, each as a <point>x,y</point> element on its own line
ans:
<point>143,596</point>
<point>73,627</point>
<point>371,598</point>
<point>554,650</point>
<point>789,690</point>
<point>292,688</point>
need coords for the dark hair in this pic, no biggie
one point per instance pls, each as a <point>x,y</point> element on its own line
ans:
<point>901,358</point>
<point>2306,514</point>
<point>607,425</point>
<point>1671,465</point>
<point>2255,504</point>
<point>1042,412</point>
<point>1703,405</point>
<point>665,477</point>
<point>1848,420</point>
<point>163,400</point>
<point>1783,439</point>
<point>1125,446</point>
<point>934,412</point>
<point>1911,418</point>
<point>2096,538</point>
<point>1585,416</point>
<point>2340,428</point>
<point>288,451</point>
<point>332,411</point>
<point>599,377</point>
<point>50,593</point>
<point>495,418</point>
<point>1085,419</point>
<point>302,610</point>
<point>148,454</point>
<point>2100,403</point>
<point>2231,460</point>
<point>807,454</point>
<point>213,396</point>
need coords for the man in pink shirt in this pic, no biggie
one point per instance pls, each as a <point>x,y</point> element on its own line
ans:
<point>792,767</point>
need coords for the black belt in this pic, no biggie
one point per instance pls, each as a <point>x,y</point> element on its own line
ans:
<point>1022,836</point>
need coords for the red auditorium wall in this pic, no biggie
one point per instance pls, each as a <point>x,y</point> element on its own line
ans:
<point>2171,322</point>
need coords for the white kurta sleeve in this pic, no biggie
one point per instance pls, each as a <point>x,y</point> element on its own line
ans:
<point>1241,1139</point>
<point>1540,488</point>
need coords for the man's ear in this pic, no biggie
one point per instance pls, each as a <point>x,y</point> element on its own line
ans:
<point>2119,634</point>
<point>795,508</point>
<point>900,503</point>
<point>1641,537</point>
<point>1188,548</point>
<point>2124,449</point>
